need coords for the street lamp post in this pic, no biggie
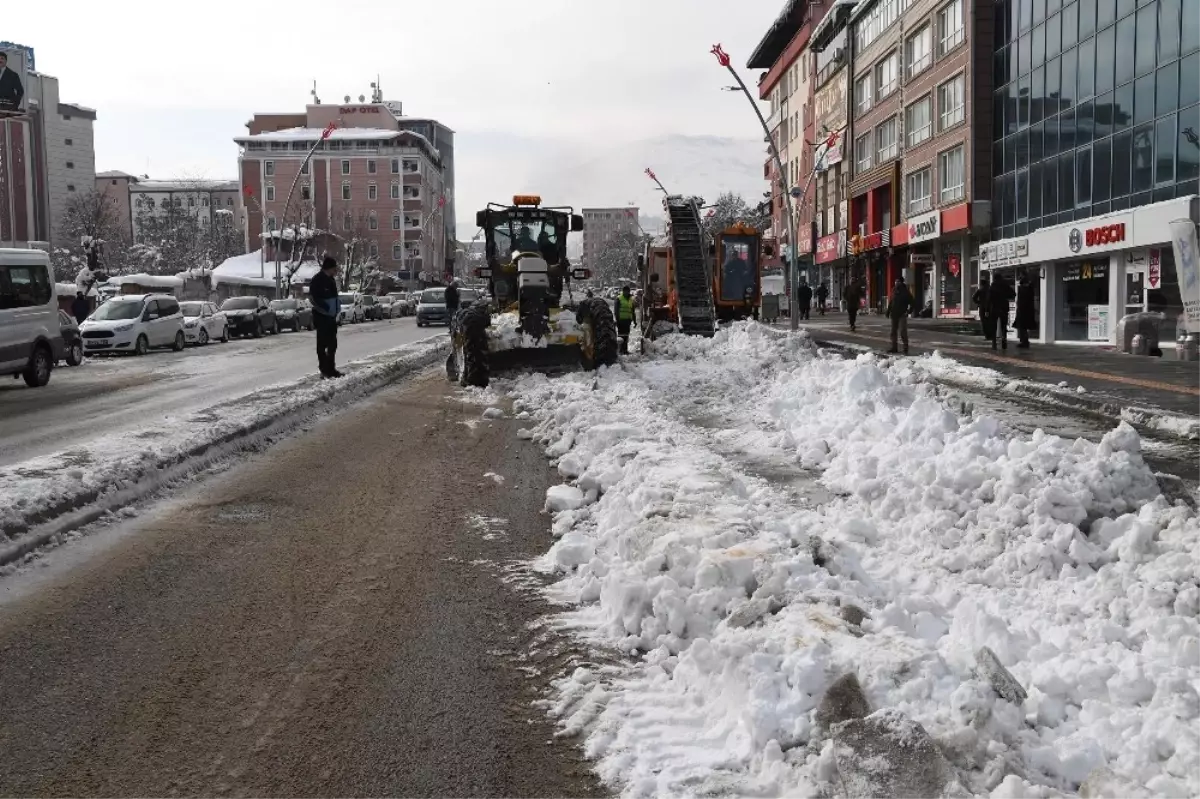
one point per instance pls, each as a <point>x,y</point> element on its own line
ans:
<point>325,134</point>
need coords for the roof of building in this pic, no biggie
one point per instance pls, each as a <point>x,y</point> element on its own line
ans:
<point>832,23</point>
<point>781,32</point>
<point>116,173</point>
<point>185,185</point>
<point>339,134</point>
<point>78,110</point>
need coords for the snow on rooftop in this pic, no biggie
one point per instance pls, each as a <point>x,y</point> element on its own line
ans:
<point>252,269</point>
<point>150,281</point>
<point>339,134</point>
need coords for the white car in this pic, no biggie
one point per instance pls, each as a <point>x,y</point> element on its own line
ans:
<point>352,311</point>
<point>203,322</point>
<point>134,323</point>
<point>385,307</point>
<point>400,306</point>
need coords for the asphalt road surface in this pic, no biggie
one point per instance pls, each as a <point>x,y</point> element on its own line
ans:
<point>329,618</point>
<point>110,394</point>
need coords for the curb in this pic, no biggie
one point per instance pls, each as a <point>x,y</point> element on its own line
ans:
<point>75,510</point>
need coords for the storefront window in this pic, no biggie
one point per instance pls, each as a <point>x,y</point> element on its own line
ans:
<point>1083,301</point>
<point>950,277</point>
<point>1162,290</point>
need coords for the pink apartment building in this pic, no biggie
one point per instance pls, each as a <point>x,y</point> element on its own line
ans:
<point>371,181</point>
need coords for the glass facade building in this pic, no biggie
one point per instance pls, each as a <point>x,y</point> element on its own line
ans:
<point>1097,109</point>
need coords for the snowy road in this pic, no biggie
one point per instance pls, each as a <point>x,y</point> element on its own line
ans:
<point>110,395</point>
<point>347,631</point>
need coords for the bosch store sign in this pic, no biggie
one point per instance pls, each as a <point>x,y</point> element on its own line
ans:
<point>1102,236</point>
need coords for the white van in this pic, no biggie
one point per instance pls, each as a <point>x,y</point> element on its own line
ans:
<point>30,339</point>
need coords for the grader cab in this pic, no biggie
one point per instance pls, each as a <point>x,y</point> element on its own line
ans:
<point>538,322</point>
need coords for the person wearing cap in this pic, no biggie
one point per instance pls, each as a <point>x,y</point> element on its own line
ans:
<point>323,292</point>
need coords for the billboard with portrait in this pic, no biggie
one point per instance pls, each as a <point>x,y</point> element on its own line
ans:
<point>15,62</point>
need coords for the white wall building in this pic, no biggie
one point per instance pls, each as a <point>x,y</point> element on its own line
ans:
<point>600,225</point>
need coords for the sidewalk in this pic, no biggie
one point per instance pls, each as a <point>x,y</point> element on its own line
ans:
<point>1110,379</point>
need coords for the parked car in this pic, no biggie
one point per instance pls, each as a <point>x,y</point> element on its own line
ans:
<point>371,308</point>
<point>72,344</point>
<point>414,299</point>
<point>134,323</point>
<point>385,307</point>
<point>294,315</point>
<point>432,308</point>
<point>203,322</point>
<point>30,339</point>
<point>399,303</point>
<point>352,308</point>
<point>250,316</point>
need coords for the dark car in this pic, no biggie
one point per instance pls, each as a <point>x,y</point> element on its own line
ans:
<point>372,310</point>
<point>72,343</point>
<point>250,316</point>
<point>294,315</point>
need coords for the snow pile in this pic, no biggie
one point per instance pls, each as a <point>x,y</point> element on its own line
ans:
<point>503,335</point>
<point>114,470</point>
<point>942,554</point>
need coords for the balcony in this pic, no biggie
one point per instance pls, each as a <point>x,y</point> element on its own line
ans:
<point>775,119</point>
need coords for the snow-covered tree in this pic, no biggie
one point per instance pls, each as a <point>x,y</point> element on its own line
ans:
<point>616,260</point>
<point>92,218</point>
<point>730,209</point>
<point>360,266</point>
<point>177,233</point>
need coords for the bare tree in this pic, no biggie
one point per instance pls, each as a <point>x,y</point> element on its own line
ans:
<point>730,209</point>
<point>361,265</point>
<point>91,217</point>
<point>617,259</point>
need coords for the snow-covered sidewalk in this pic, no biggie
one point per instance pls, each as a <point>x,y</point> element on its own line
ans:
<point>42,496</point>
<point>754,521</point>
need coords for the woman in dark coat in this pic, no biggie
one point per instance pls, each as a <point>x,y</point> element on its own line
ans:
<point>1026,319</point>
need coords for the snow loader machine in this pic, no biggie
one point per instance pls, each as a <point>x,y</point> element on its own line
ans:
<point>676,276</point>
<point>532,318</point>
<point>737,284</point>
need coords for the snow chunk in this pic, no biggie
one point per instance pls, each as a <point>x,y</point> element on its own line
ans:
<point>563,497</point>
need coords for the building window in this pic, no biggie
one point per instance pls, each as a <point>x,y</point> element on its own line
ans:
<point>886,146</point>
<point>887,75</point>
<point>397,252</point>
<point>270,193</point>
<point>951,101</point>
<point>371,166</point>
<point>950,27</point>
<point>372,192</point>
<point>271,222</point>
<point>345,167</point>
<point>71,187</point>
<point>395,166</point>
<point>918,189</point>
<point>373,222</point>
<point>411,166</point>
<point>862,152</point>
<point>305,192</point>
<point>269,168</point>
<point>951,174</point>
<point>68,142</point>
<point>862,94</point>
<point>395,191</point>
<point>872,24</point>
<point>395,221</point>
<point>412,192</point>
<point>66,118</point>
<point>70,165</point>
<point>374,250</point>
<point>204,201</point>
<point>918,120</point>
<point>345,191</point>
<point>412,221</point>
<point>229,202</point>
<point>918,51</point>
<point>347,220</point>
<point>191,202</point>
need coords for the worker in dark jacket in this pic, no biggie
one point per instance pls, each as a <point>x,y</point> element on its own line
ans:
<point>451,301</point>
<point>1026,315</point>
<point>804,296</point>
<point>323,292</point>
<point>1000,294</point>
<point>853,295</point>
<point>980,300</point>
<point>80,307</point>
<point>899,304</point>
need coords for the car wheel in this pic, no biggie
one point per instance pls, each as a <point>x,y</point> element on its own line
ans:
<point>142,346</point>
<point>37,373</point>
<point>75,354</point>
<point>202,338</point>
<point>180,342</point>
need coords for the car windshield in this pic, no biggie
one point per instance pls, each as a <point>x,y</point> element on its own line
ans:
<point>433,296</point>
<point>284,305</point>
<point>347,298</point>
<point>114,310</point>
<point>368,300</point>
<point>191,308</point>
<point>467,295</point>
<point>240,304</point>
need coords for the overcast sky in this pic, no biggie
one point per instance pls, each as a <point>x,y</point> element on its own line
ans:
<point>173,87</point>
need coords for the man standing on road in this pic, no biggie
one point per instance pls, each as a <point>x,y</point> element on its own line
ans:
<point>980,300</point>
<point>804,296</point>
<point>625,317</point>
<point>852,294</point>
<point>80,307</point>
<point>899,305</point>
<point>323,292</point>
<point>451,302</point>
<point>1000,294</point>
<point>1026,318</point>
<point>822,295</point>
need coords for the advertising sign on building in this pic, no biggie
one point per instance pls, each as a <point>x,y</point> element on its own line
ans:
<point>831,247</point>
<point>14,70</point>
<point>1154,270</point>
<point>1003,253</point>
<point>925,228</point>
<point>1187,267</point>
<point>829,104</point>
<point>1097,322</point>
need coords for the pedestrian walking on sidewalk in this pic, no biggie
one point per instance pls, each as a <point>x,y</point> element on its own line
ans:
<point>822,295</point>
<point>899,304</point>
<point>323,292</point>
<point>852,295</point>
<point>804,295</point>
<point>1000,294</point>
<point>980,300</point>
<point>625,318</point>
<point>1026,317</point>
